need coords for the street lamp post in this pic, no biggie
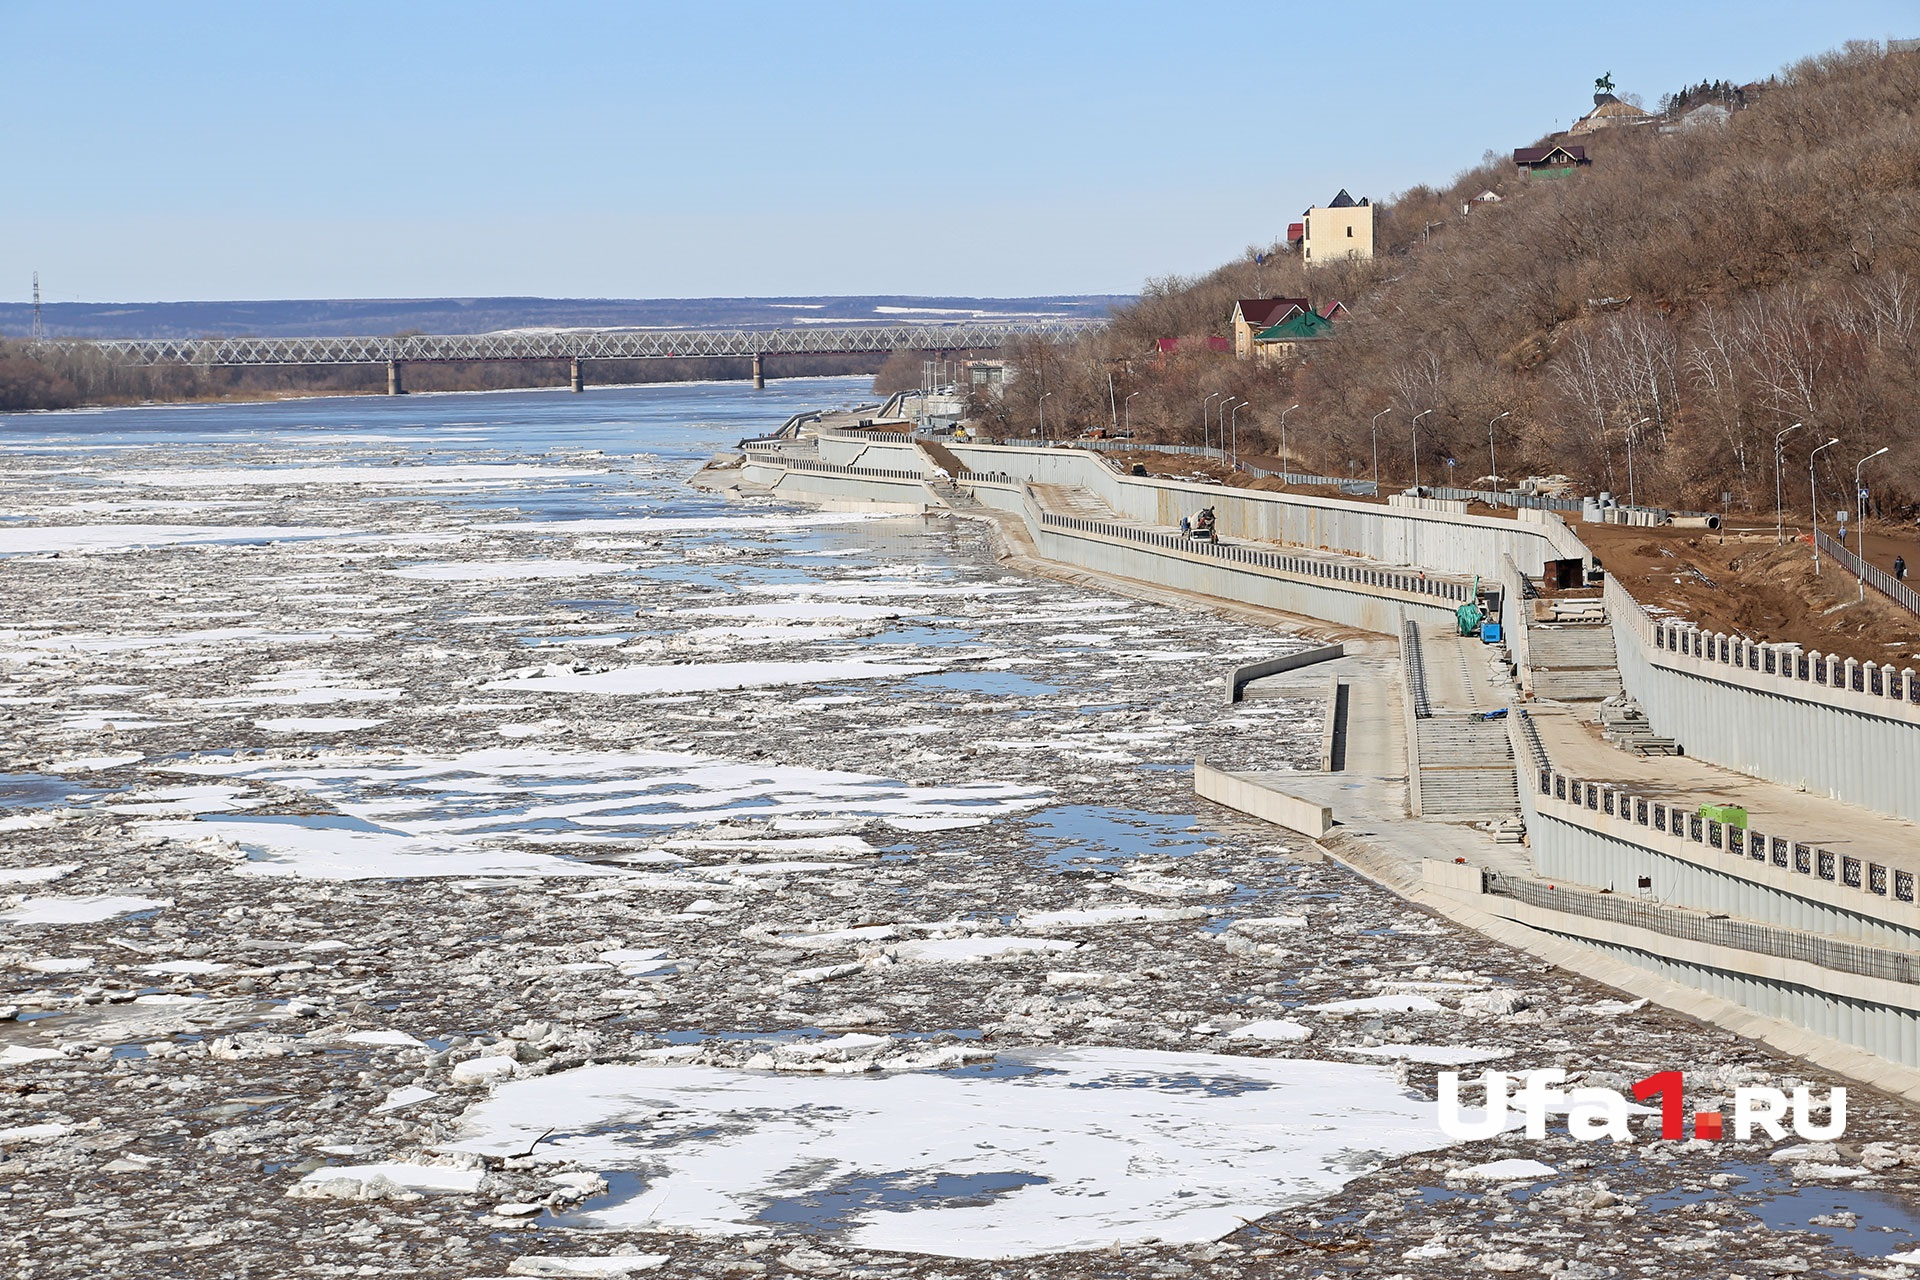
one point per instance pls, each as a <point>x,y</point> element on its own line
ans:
<point>1860,516</point>
<point>1493,493</point>
<point>1416,445</point>
<point>1376,448</point>
<point>1126,412</point>
<point>1630,431</point>
<point>1283,436</point>
<point>1779,516</point>
<point>1203,417</point>
<point>1043,415</point>
<point>1220,421</point>
<point>1233,449</point>
<point>1813,493</point>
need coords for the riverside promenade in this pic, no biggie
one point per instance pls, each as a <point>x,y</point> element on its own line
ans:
<point>1532,826</point>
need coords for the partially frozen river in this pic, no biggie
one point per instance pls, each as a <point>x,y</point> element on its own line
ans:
<point>437,841</point>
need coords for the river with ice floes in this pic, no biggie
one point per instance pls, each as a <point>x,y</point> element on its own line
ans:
<point>435,841</point>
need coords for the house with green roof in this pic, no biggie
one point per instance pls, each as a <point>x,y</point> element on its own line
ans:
<point>1278,341</point>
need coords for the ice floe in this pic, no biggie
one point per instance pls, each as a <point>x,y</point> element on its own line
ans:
<point>1058,1150</point>
<point>78,910</point>
<point>498,811</point>
<point>711,677</point>
<point>45,539</point>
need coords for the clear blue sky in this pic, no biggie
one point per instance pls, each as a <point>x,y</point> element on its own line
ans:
<point>593,148</point>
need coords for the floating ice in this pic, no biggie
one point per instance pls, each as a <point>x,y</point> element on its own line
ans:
<point>114,537</point>
<point>165,967</point>
<point>975,949</point>
<point>1058,1150</point>
<point>1378,1004</point>
<point>1513,1170</point>
<point>62,910</point>
<point>413,1177</point>
<point>1084,917</point>
<point>613,1264</point>
<point>36,875</point>
<point>14,1055</point>
<point>315,724</point>
<point>710,677</point>
<point>1273,1030</point>
<point>508,570</point>
<point>59,964</point>
<point>384,477</point>
<point>1444,1055</point>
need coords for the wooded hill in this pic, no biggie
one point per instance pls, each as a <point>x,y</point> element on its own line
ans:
<point>1720,283</point>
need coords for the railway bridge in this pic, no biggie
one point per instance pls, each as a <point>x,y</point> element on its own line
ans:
<point>573,345</point>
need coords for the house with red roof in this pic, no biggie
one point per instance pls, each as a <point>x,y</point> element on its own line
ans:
<point>1555,160</point>
<point>1251,315</point>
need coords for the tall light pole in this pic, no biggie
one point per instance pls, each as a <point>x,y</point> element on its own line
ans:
<point>1813,492</point>
<point>1233,450</point>
<point>1126,412</point>
<point>1493,494</point>
<point>1779,454</point>
<point>1283,436</point>
<point>1630,430</point>
<point>1416,445</point>
<point>1203,417</point>
<point>1043,415</point>
<point>1860,516</point>
<point>1376,448</point>
<point>1220,420</point>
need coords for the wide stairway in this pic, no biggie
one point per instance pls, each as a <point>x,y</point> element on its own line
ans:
<point>1466,768</point>
<point>1573,662</point>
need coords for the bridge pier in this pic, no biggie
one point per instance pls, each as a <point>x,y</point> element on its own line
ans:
<point>759,373</point>
<point>578,380</point>
<point>396,385</point>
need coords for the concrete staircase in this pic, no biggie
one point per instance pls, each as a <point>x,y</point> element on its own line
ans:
<point>1466,768</point>
<point>1573,662</point>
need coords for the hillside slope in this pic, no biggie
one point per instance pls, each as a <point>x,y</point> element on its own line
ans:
<point>1684,298</point>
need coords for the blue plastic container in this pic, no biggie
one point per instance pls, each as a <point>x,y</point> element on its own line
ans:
<point>1490,632</point>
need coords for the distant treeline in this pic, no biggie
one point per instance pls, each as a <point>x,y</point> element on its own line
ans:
<point>44,378</point>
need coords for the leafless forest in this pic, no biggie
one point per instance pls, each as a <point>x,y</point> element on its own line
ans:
<point>1688,296</point>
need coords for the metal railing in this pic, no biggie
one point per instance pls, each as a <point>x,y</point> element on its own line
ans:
<point>1416,664</point>
<point>1871,574</point>
<point>1788,944</point>
<point>1353,488</point>
<point>1671,639</point>
<point>1688,825</point>
<point>772,458</point>
<point>1355,576</point>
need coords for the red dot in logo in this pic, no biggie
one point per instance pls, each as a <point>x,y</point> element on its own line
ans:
<point>1706,1124</point>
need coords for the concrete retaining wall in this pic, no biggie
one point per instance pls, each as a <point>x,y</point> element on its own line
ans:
<point>1442,542</point>
<point>1262,802</point>
<point>1850,745</point>
<point>1245,675</point>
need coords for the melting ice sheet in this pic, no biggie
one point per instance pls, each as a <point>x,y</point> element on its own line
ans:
<point>1057,1149</point>
<point>497,812</point>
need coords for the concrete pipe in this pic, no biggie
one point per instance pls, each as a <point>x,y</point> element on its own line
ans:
<point>1696,522</point>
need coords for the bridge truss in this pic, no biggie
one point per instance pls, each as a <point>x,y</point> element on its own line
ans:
<point>574,344</point>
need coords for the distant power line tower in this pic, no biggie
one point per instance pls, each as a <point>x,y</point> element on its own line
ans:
<point>39,327</point>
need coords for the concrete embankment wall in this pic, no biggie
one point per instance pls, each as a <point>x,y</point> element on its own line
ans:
<point>842,493</point>
<point>1572,847</point>
<point>1830,739</point>
<point>1374,608</point>
<point>1825,737</point>
<point>1440,541</point>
